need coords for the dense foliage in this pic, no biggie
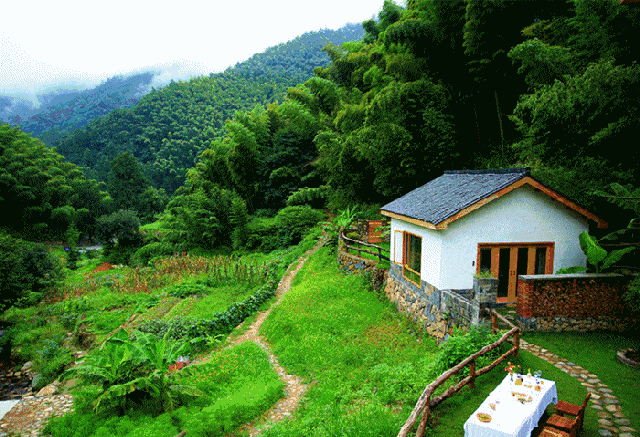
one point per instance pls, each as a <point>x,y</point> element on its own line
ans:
<point>441,85</point>
<point>44,194</point>
<point>27,272</point>
<point>170,127</point>
<point>433,85</point>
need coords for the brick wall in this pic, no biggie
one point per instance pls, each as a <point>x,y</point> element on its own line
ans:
<point>579,302</point>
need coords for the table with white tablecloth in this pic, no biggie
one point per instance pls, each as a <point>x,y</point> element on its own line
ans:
<point>512,418</point>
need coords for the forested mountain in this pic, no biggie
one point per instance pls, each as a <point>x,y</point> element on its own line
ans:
<point>445,84</point>
<point>64,111</point>
<point>440,84</point>
<point>170,127</point>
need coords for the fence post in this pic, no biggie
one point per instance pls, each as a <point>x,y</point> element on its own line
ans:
<point>379,253</point>
<point>472,374</point>
<point>423,420</point>
<point>359,247</point>
<point>494,322</point>
<point>516,342</point>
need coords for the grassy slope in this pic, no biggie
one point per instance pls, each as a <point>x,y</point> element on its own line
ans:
<point>364,368</point>
<point>366,372</point>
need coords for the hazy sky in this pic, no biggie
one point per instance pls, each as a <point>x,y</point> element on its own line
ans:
<point>45,42</point>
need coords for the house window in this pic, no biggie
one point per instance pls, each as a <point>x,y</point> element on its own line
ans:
<point>412,245</point>
<point>541,257</point>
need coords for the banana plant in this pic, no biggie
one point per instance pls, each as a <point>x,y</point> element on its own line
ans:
<point>341,221</point>
<point>123,366</point>
<point>597,256</point>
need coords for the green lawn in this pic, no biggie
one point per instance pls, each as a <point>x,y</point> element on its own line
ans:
<point>354,349</point>
<point>364,369</point>
<point>596,352</point>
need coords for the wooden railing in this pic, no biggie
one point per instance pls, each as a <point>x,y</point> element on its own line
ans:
<point>357,246</point>
<point>427,402</point>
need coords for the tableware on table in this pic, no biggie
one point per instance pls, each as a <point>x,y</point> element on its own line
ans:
<point>537,374</point>
<point>484,417</point>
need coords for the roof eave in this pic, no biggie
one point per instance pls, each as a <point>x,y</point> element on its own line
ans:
<point>496,195</point>
<point>405,218</point>
<point>520,182</point>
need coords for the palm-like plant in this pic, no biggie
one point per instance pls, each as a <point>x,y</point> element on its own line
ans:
<point>123,366</point>
<point>342,220</point>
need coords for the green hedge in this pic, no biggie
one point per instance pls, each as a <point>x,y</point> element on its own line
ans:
<point>221,323</point>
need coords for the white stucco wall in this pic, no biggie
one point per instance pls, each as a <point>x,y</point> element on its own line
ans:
<point>431,249</point>
<point>523,215</point>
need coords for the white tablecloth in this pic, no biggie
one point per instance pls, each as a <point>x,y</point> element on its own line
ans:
<point>511,418</point>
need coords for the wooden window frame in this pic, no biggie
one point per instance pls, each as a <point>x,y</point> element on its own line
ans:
<point>513,267</point>
<point>405,252</point>
<point>495,247</point>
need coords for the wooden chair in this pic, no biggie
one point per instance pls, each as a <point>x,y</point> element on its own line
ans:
<point>572,425</point>
<point>548,431</point>
<point>563,407</point>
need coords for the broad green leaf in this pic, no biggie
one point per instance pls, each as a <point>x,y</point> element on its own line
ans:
<point>615,256</point>
<point>589,245</point>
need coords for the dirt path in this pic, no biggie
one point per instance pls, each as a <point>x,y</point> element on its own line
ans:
<point>294,388</point>
<point>28,416</point>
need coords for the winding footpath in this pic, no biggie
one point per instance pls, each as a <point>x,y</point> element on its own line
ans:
<point>30,414</point>
<point>294,388</point>
<point>612,421</point>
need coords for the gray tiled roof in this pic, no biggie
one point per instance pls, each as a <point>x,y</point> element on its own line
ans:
<point>452,192</point>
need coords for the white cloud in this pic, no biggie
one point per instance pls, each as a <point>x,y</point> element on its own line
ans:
<point>47,41</point>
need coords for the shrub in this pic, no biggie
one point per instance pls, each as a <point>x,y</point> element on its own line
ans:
<point>142,256</point>
<point>50,362</point>
<point>120,232</point>
<point>27,272</point>
<point>460,345</point>
<point>294,221</point>
<point>186,289</point>
<point>632,295</point>
<point>127,369</point>
<point>260,232</point>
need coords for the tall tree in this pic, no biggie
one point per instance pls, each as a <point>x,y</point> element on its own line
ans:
<point>127,182</point>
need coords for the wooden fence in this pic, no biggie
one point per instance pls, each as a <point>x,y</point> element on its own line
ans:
<point>427,402</point>
<point>357,246</point>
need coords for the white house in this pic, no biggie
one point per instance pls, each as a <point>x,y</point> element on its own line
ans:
<point>503,221</point>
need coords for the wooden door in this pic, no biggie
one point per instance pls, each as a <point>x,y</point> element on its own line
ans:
<point>508,260</point>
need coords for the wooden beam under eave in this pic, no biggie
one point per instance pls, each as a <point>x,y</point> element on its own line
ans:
<point>566,202</point>
<point>535,184</point>
<point>404,218</point>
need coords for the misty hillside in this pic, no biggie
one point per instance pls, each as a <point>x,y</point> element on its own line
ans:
<point>66,110</point>
<point>170,126</point>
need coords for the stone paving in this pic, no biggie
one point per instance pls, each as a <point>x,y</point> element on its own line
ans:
<point>612,420</point>
<point>28,417</point>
